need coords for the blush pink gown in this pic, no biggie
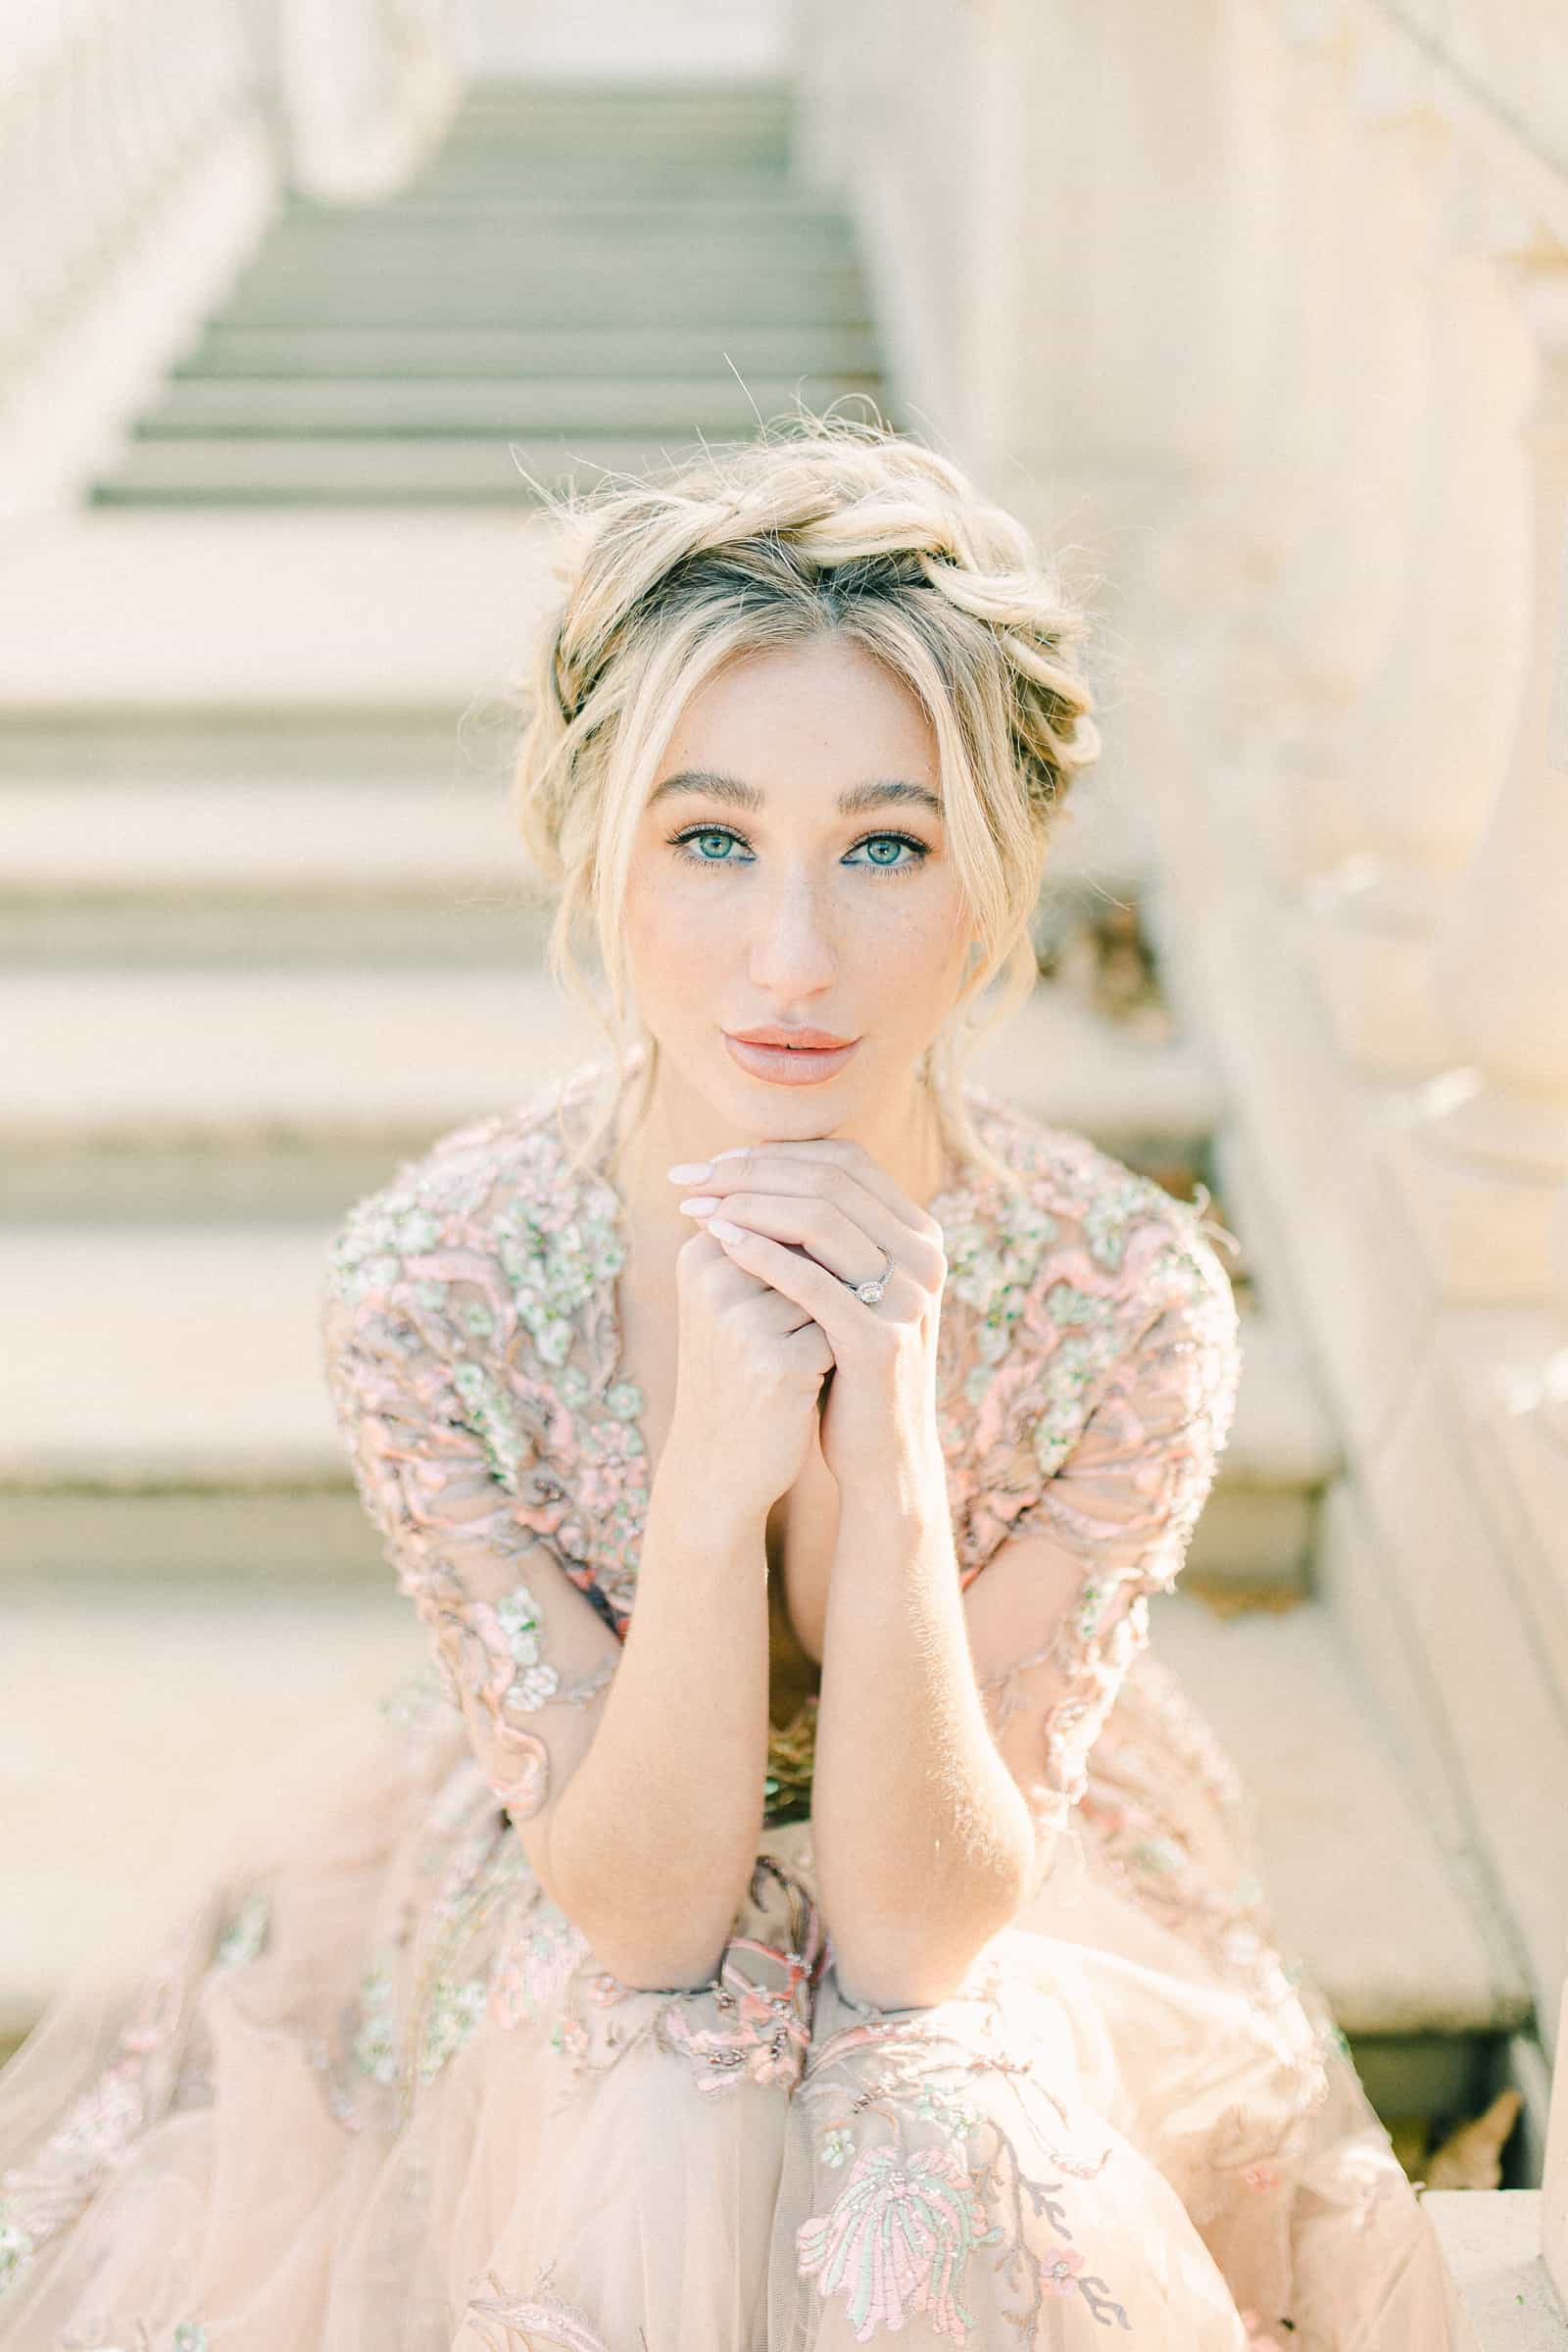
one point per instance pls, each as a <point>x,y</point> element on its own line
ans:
<point>371,2090</point>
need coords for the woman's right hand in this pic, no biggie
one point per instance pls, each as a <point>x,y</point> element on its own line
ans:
<point>748,1377</point>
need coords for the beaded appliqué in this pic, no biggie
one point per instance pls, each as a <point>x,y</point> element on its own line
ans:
<point>945,2181</point>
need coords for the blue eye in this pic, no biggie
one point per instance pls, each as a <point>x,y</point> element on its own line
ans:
<point>892,841</point>
<point>723,833</point>
<point>705,833</point>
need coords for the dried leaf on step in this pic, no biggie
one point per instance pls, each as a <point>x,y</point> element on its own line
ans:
<point>1471,2157</point>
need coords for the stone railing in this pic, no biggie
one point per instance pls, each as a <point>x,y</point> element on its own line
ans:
<point>1260,309</point>
<point>143,145</point>
<point>358,93</point>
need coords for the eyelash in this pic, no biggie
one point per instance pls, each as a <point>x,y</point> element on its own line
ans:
<point>678,841</point>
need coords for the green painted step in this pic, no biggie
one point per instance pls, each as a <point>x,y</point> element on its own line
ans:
<point>384,405</point>
<point>808,300</point>
<point>783,212</point>
<point>492,469</point>
<point>508,287</point>
<point>849,353</point>
<point>593,172</point>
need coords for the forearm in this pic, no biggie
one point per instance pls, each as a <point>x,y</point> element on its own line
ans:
<point>652,1841</point>
<point>922,1838</point>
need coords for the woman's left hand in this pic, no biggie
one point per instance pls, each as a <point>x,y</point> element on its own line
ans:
<point>810,1220</point>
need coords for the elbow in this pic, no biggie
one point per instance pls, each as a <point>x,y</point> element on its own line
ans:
<point>639,1965</point>
<point>632,1944</point>
<point>913,1963</point>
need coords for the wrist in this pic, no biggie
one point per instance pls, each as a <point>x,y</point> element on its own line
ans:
<point>713,1508</point>
<point>908,1485</point>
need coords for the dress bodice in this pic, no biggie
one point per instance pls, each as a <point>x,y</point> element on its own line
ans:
<point>1087,1361</point>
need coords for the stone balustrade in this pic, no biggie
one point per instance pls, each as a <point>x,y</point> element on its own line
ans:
<point>1261,316</point>
<point>143,148</point>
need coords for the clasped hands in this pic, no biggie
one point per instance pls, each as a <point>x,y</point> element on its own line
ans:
<point>811,1218</point>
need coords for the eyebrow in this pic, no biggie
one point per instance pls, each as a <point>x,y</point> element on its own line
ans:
<point>884,790</point>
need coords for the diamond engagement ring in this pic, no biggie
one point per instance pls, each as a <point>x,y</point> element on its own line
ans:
<point>868,1293</point>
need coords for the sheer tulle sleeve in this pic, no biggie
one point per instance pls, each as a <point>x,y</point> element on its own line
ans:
<point>442,1457</point>
<point>1060,1610</point>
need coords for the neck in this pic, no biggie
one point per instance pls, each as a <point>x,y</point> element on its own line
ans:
<point>903,1134</point>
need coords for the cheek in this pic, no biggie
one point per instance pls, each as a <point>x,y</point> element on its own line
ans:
<point>671,923</point>
<point>920,939</point>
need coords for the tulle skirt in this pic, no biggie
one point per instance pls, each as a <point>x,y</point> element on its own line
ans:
<point>366,2089</point>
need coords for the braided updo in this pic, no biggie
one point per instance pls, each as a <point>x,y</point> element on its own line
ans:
<point>823,524</point>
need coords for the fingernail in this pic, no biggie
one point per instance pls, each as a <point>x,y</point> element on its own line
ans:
<point>690,1171</point>
<point>733,1152</point>
<point>725,1231</point>
<point>701,1202</point>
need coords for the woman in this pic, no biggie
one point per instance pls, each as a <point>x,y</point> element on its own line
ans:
<point>792,1911</point>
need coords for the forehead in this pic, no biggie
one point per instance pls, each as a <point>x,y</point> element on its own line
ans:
<point>826,710</point>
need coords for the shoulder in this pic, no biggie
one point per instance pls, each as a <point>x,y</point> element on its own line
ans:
<point>1081,1269</point>
<point>491,1205</point>
<point>1077,1214</point>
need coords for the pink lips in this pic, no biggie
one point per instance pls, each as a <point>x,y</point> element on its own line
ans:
<point>805,1064</point>
<point>769,1035</point>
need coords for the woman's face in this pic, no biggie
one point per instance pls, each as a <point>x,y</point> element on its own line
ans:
<point>791,872</point>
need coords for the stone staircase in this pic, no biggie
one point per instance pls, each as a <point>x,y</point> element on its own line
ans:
<point>262,943</point>
<point>576,280</point>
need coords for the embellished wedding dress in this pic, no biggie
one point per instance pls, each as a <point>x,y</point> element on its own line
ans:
<point>371,2091</point>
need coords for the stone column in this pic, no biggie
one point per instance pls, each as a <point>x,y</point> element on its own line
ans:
<point>1336,606</point>
<point>1417,778</point>
<point>1279,476</point>
<point>1486,1151</point>
<point>364,88</point>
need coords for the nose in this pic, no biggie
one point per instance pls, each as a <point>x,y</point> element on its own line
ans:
<point>792,951</point>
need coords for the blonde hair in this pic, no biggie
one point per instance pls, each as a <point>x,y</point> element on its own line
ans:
<point>822,524</point>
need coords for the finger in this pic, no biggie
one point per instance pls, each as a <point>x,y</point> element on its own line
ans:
<point>732,1285</point>
<point>808,1165</point>
<point>843,1240</point>
<point>757,1187</point>
<point>811,1348</point>
<point>844,1318</point>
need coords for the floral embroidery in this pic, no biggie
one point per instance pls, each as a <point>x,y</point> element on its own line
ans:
<point>897,2242</point>
<point>531,1974</point>
<point>494,1420</point>
<point>415,2012</point>
<point>102,2335</point>
<point>508,2323</point>
<point>375,2044</point>
<point>40,2197</point>
<point>246,1932</point>
<point>16,2246</point>
<point>752,2022</point>
<point>897,2238</point>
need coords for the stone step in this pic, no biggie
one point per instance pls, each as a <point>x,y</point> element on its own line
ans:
<point>173,845</point>
<point>784,213</point>
<point>199,1697</point>
<point>783,220</point>
<point>119,1081</point>
<point>579,409</point>
<point>673,173</point>
<point>231,618</point>
<point>1491,2241</point>
<point>534,352</point>
<point>488,470</point>
<point>518,101</point>
<point>564,120</point>
<point>175,1365</point>
<point>747,293</point>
